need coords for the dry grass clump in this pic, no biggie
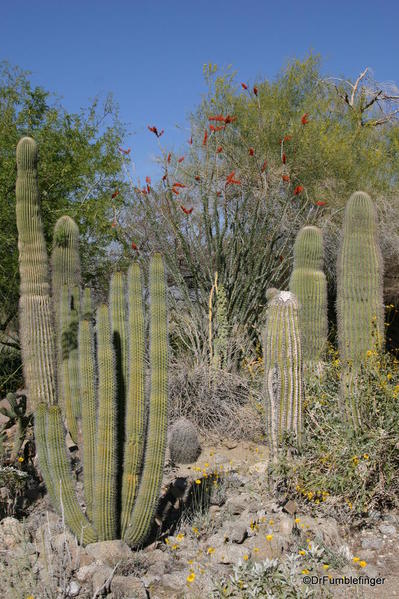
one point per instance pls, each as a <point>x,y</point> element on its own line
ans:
<point>220,403</point>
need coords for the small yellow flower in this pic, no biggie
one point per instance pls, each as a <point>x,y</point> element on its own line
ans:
<point>210,550</point>
<point>190,561</point>
<point>211,453</point>
<point>198,482</point>
<point>366,456</point>
<point>256,549</point>
<point>180,536</point>
<point>20,459</point>
<point>269,537</point>
<point>302,552</point>
<point>195,530</point>
<point>246,557</point>
<point>206,465</point>
<point>389,376</point>
<point>326,566</point>
<point>305,571</point>
<point>167,541</point>
<point>297,520</point>
<point>191,577</point>
<point>369,353</point>
<point>362,564</point>
<point>355,559</point>
<point>271,522</point>
<point>174,547</point>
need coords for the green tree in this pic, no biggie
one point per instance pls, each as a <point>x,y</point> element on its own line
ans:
<point>80,169</point>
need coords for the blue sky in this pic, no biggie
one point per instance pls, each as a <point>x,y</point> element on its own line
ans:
<point>150,53</point>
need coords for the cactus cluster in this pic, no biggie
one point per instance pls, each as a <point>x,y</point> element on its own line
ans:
<point>184,445</point>
<point>102,383</point>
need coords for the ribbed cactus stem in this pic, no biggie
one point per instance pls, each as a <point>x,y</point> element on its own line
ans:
<point>106,461</point>
<point>309,284</point>
<point>89,417</point>
<point>148,493</point>
<point>135,404</point>
<point>65,263</point>
<point>283,369</point>
<point>61,477</point>
<point>35,318</point>
<point>69,324</point>
<point>40,424</point>
<point>360,304</point>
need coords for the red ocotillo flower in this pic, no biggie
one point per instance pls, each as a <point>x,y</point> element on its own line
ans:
<point>169,157</point>
<point>153,129</point>
<point>219,149</point>
<point>174,190</point>
<point>148,188</point>
<point>287,137</point>
<point>304,119</point>
<point>186,210</point>
<point>148,180</point>
<point>217,117</point>
<point>144,191</point>
<point>190,141</point>
<point>231,176</point>
<point>298,189</point>
<point>255,90</point>
<point>285,178</point>
<point>283,157</point>
<point>197,178</point>
<point>205,138</point>
<point>264,165</point>
<point>134,246</point>
<point>213,128</point>
<point>116,193</point>
<point>177,184</point>
<point>218,193</point>
<point>124,151</point>
<point>164,177</point>
<point>251,151</point>
<point>244,86</point>
<point>181,159</point>
<point>230,119</point>
<point>320,203</point>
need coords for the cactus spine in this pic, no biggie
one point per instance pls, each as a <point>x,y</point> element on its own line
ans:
<point>308,282</point>
<point>106,487</point>
<point>360,304</point>
<point>283,368</point>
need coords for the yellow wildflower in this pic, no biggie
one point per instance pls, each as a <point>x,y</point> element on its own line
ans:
<point>326,566</point>
<point>20,459</point>
<point>366,456</point>
<point>269,537</point>
<point>246,557</point>
<point>198,482</point>
<point>180,536</point>
<point>210,550</point>
<point>305,571</point>
<point>302,552</point>
<point>190,577</point>
<point>362,564</point>
<point>355,559</point>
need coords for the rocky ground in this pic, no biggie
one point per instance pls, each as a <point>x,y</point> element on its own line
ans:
<point>193,547</point>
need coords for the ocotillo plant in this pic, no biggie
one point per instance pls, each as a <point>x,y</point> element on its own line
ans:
<point>308,282</point>
<point>283,385</point>
<point>116,504</point>
<point>360,304</point>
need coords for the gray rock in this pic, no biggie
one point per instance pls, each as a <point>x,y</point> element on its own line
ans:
<point>73,588</point>
<point>372,543</point>
<point>387,529</point>
<point>150,579</point>
<point>156,556</point>
<point>174,580</point>
<point>237,505</point>
<point>285,525</point>
<point>128,586</point>
<point>236,533</point>
<point>109,552</point>
<point>230,554</point>
<point>85,573</point>
<point>290,507</point>
<point>100,576</point>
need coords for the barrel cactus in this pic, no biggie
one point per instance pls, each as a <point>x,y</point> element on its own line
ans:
<point>122,471</point>
<point>184,446</point>
<point>308,282</point>
<point>360,304</point>
<point>283,386</point>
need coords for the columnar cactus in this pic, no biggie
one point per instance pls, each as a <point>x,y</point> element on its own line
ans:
<point>115,452</point>
<point>308,282</point>
<point>35,307</point>
<point>360,304</point>
<point>283,369</point>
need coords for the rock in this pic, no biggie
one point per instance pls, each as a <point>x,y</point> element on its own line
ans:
<point>109,552</point>
<point>214,510</point>
<point>128,586</point>
<point>100,576</point>
<point>230,554</point>
<point>230,444</point>
<point>73,588</point>
<point>156,556</point>
<point>371,543</point>
<point>85,573</point>
<point>285,525</point>
<point>387,529</point>
<point>259,468</point>
<point>150,579</point>
<point>290,507</point>
<point>236,533</point>
<point>234,481</point>
<point>11,533</point>
<point>243,502</point>
<point>174,581</point>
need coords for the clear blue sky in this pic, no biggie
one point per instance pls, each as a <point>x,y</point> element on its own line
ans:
<point>150,53</point>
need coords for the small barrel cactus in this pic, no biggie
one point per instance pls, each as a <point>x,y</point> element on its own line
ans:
<point>184,446</point>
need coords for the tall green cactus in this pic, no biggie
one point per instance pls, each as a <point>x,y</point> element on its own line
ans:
<point>116,503</point>
<point>283,369</point>
<point>360,303</point>
<point>308,282</point>
<point>35,307</point>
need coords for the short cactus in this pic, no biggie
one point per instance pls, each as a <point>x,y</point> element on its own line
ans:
<point>308,282</point>
<point>184,445</point>
<point>360,303</point>
<point>283,369</point>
